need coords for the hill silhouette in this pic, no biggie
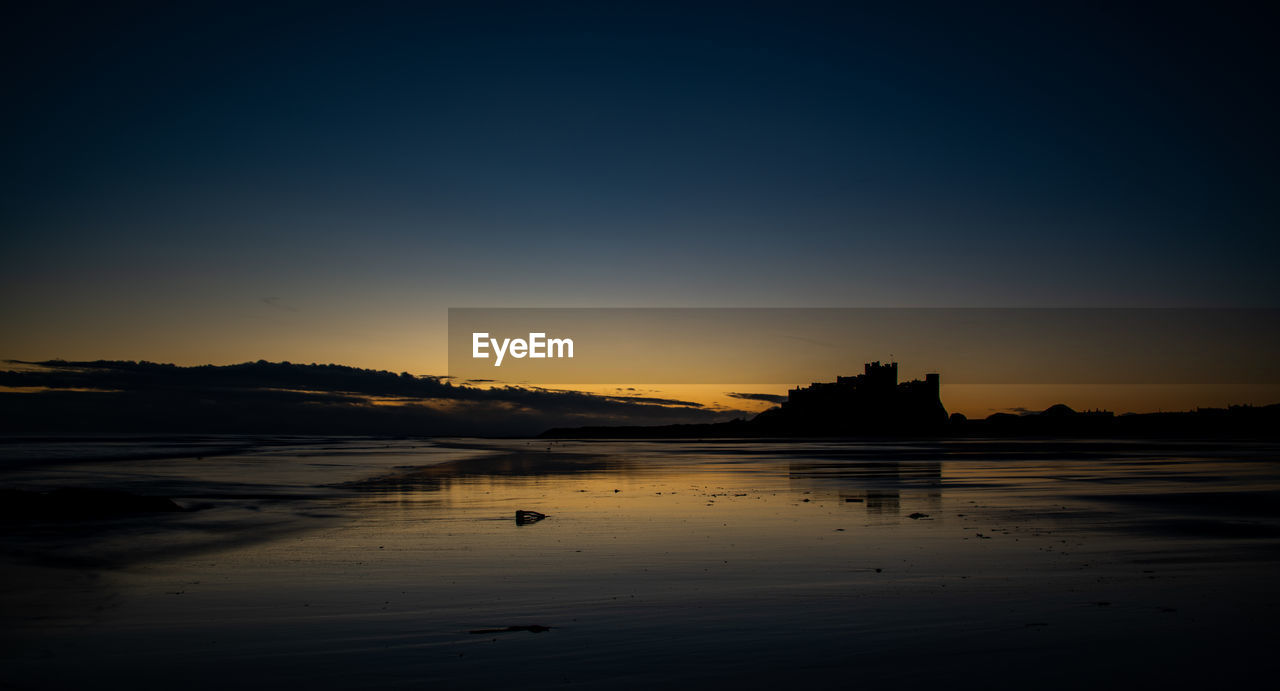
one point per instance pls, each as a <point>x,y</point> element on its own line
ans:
<point>109,396</point>
<point>875,404</point>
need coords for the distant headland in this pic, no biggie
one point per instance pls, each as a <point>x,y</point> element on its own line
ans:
<point>70,398</point>
<point>876,404</point>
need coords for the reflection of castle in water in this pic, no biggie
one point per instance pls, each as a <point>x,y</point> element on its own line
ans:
<point>878,486</point>
<point>868,473</point>
<point>875,501</point>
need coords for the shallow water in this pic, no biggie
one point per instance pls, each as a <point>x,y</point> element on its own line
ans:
<point>358,563</point>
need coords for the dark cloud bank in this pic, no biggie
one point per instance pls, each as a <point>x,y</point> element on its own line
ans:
<point>58,397</point>
<point>768,397</point>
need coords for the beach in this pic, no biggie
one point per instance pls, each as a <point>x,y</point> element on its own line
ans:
<point>394,563</point>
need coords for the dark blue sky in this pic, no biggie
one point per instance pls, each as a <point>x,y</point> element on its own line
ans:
<point>220,182</point>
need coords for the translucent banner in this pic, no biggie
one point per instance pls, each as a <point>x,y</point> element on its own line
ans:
<point>564,346</point>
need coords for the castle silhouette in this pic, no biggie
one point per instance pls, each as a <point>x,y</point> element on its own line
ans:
<point>871,402</point>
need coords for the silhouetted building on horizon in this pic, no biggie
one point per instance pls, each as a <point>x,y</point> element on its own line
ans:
<point>876,404</point>
<point>873,402</point>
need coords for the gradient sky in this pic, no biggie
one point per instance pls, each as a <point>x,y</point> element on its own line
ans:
<point>320,182</point>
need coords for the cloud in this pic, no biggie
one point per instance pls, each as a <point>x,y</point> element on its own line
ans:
<point>283,397</point>
<point>275,302</point>
<point>768,397</point>
<point>654,400</point>
<point>824,344</point>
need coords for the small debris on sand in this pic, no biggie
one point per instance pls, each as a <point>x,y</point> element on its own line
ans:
<point>917,516</point>
<point>526,517</point>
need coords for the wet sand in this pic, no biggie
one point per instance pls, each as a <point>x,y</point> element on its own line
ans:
<point>372,563</point>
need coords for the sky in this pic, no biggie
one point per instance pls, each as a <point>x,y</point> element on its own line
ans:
<point>316,182</point>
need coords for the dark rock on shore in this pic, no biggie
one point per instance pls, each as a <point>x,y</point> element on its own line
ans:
<point>526,517</point>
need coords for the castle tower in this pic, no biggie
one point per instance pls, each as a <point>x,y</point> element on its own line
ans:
<point>881,378</point>
<point>934,384</point>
